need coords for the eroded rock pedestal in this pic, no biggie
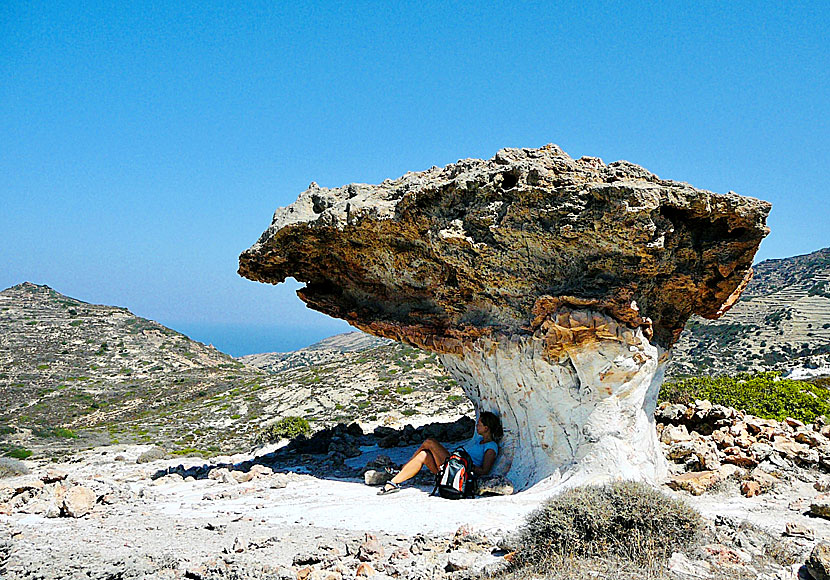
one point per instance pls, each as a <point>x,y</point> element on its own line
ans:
<point>573,414</point>
<point>552,287</point>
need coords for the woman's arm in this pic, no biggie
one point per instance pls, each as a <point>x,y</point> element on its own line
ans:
<point>486,464</point>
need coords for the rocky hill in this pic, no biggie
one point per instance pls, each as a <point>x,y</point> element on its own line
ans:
<point>326,351</point>
<point>782,322</point>
<point>74,374</point>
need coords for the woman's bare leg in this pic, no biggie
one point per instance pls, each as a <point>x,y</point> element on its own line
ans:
<point>430,453</point>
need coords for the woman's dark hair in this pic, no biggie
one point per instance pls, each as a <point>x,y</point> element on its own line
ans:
<point>492,422</point>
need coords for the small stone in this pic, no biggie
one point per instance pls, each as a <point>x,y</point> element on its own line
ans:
<point>760,451</point>
<point>794,423</point>
<point>53,476</point>
<point>675,434</point>
<point>78,501</point>
<point>818,564</point>
<point>304,573</point>
<point>679,564</point>
<point>820,506</point>
<point>460,560</point>
<point>797,530</point>
<point>375,477</point>
<point>400,554</point>
<point>365,569</point>
<point>750,488</point>
<point>695,482</point>
<point>260,471</point>
<point>788,448</point>
<point>370,549</point>
<point>740,460</point>
<point>822,485</point>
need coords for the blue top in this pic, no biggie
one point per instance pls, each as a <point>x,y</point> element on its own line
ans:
<point>476,449</point>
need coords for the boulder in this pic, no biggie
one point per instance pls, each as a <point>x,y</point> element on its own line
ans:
<point>820,506</point>
<point>695,482</point>
<point>818,564</point>
<point>78,501</point>
<point>550,287</point>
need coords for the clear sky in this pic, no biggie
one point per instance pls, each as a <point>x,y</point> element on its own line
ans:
<point>144,145</point>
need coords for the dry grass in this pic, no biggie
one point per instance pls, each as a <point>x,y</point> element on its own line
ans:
<point>627,519</point>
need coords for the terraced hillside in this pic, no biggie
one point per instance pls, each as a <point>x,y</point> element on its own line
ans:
<point>76,374</point>
<point>782,322</point>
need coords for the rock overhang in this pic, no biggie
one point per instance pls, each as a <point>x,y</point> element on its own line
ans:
<point>480,248</point>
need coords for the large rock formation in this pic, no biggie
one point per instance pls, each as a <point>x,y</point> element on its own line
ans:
<point>552,288</point>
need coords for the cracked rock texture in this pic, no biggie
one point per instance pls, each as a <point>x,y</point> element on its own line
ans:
<point>552,288</point>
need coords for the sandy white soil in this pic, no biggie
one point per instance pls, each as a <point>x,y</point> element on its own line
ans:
<point>170,521</point>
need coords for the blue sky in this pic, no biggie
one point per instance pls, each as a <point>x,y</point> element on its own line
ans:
<point>146,144</point>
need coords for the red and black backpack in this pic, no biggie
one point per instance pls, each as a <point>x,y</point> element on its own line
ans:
<point>455,477</point>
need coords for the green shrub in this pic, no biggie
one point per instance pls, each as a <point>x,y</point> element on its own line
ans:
<point>285,428</point>
<point>15,452</point>
<point>11,467</point>
<point>627,519</point>
<point>764,395</point>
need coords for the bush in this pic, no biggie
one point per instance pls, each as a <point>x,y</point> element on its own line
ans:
<point>15,451</point>
<point>764,395</point>
<point>628,519</point>
<point>285,428</point>
<point>11,467</point>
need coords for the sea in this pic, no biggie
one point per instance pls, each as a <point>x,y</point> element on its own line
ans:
<point>239,340</point>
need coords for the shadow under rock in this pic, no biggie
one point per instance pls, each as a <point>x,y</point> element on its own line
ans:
<point>328,453</point>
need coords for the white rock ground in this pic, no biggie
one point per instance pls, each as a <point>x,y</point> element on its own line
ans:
<point>172,521</point>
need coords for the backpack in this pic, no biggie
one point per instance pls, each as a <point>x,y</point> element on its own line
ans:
<point>455,477</point>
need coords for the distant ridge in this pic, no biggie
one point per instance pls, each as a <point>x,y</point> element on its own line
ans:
<point>74,374</point>
<point>782,322</point>
<point>327,350</point>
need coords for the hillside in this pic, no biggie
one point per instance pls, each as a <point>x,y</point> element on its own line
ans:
<point>782,322</point>
<point>74,374</point>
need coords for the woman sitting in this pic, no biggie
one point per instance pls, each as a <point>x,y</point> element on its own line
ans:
<point>483,449</point>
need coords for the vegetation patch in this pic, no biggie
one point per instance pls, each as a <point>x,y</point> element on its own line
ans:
<point>627,519</point>
<point>63,433</point>
<point>285,428</point>
<point>15,451</point>
<point>764,395</point>
<point>10,467</point>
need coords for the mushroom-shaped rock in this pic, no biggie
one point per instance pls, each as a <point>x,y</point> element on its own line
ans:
<point>551,287</point>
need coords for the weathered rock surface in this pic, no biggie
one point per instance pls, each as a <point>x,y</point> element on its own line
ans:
<point>550,286</point>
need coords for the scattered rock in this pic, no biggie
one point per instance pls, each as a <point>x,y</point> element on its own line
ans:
<point>53,475</point>
<point>239,545</point>
<point>78,501</point>
<point>820,506</point>
<point>797,530</point>
<point>364,569</point>
<point>695,482</point>
<point>818,564</point>
<point>370,549</point>
<point>375,477</point>
<point>680,565</point>
<point>460,560</point>
<point>750,488</point>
